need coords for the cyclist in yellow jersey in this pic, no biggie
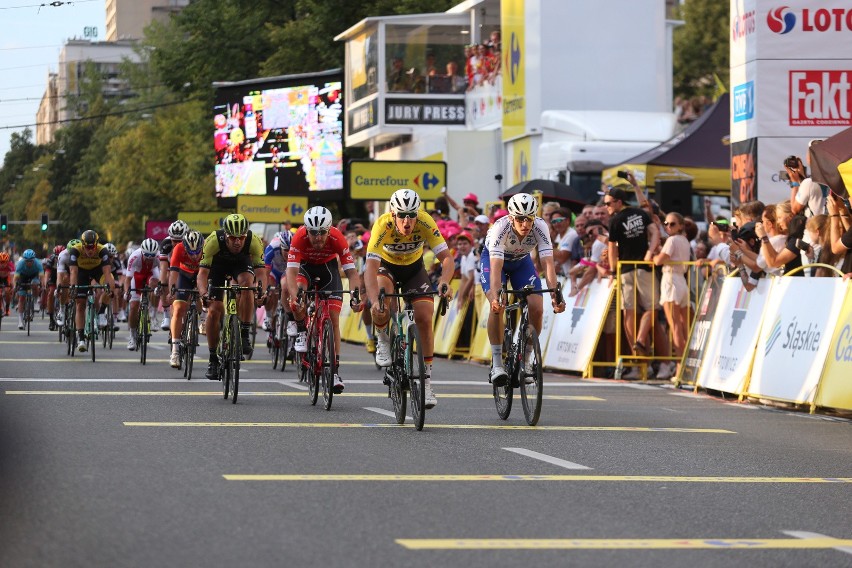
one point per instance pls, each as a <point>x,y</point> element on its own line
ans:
<point>395,254</point>
<point>88,262</point>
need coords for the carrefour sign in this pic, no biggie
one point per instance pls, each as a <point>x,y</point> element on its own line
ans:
<point>264,209</point>
<point>374,179</point>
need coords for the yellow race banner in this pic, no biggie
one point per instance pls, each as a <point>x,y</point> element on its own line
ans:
<point>374,179</point>
<point>522,162</point>
<point>514,77</point>
<point>272,209</point>
<point>835,386</point>
<point>203,221</point>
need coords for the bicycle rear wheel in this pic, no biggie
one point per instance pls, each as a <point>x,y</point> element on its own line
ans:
<point>235,354</point>
<point>397,377</point>
<point>144,329</point>
<point>531,382</point>
<point>92,329</point>
<point>283,339</point>
<point>190,333</point>
<point>328,368</point>
<point>252,334</point>
<point>273,340</point>
<point>415,371</point>
<point>503,395</point>
<point>223,352</point>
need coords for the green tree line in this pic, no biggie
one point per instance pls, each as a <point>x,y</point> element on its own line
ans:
<point>151,156</point>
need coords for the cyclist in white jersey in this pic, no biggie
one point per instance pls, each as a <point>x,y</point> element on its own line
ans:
<point>507,254</point>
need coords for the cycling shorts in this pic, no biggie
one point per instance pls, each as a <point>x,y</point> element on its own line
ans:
<point>412,278</point>
<point>520,272</point>
<point>328,278</point>
<point>185,281</point>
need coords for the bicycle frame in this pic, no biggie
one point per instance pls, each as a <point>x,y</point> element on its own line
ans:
<point>229,348</point>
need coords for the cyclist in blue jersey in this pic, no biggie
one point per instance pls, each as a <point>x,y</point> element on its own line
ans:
<point>275,258</point>
<point>28,271</point>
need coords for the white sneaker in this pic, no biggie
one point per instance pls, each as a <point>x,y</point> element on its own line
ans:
<point>202,327</point>
<point>383,358</point>
<point>102,322</point>
<point>429,395</point>
<point>632,375</point>
<point>292,328</point>
<point>20,322</point>
<point>174,359</point>
<point>81,346</point>
<point>665,371</point>
<point>131,343</point>
<point>122,315</point>
<point>498,376</point>
<point>59,319</point>
<point>338,384</point>
<point>302,342</point>
<point>166,323</point>
<point>265,324</point>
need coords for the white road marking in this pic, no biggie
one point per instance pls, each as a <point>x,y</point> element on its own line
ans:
<point>805,534</point>
<point>176,380</point>
<point>294,384</point>
<point>383,412</point>
<point>546,458</point>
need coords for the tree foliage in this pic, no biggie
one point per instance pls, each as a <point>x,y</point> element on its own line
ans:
<point>701,47</point>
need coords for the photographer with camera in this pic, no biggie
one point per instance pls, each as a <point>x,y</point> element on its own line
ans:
<point>807,197</point>
<point>840,221</point>
<point>781,239</point>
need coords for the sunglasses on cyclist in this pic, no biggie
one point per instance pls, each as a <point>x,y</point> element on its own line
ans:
<point>522,219</point>
<point>408,215</point>
<point>317,232</point>
<point>193,252</point>
<point>235,237</point>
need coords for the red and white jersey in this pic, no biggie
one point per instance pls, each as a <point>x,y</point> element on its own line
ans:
<point>7,270</point>
<point>335,245</point>
<point>139,266</point>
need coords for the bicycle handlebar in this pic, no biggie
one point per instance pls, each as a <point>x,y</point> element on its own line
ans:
<point>410,295</point>
<point>529,290</point>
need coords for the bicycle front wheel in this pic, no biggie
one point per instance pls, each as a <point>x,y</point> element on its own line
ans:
<point>144,330</point>
<point>328,368</point>
<point>234,357</point>
<point>531,377</point>
<point>92,329</point>
<point>397,378</point>
<point>415,372</point>
<point>190,333</point>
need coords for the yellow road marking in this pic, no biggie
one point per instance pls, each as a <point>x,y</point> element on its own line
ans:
<point>83,357</point>
<point>621,543</point>
<point>436,426</point>
<point>532,477</point>
<point>288,393</point>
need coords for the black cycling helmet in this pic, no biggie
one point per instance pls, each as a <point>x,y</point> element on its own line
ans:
<point>89,238</point>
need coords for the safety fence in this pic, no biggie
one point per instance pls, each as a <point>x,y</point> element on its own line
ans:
<point>787,340</point>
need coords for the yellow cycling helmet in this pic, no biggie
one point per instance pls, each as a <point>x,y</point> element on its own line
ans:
<point>235,225</point>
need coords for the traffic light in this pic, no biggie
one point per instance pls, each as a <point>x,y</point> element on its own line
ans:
<point>4,223</point>
<point>44,222</point>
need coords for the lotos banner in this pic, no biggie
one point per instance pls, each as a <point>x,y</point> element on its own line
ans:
<point>801,314</point>
<point>730,348</point>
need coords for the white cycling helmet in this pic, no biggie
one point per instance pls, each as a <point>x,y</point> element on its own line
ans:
<point>317,219</point>
<point>149,247</point>
<point>405,201</point>
<point>178,229</point>
<point>523,204</point>
<point>111,249</point>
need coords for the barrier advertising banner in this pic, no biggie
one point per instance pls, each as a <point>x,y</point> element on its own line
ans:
<point>575,333</point>
<point>835,386</point>
<point>730,347</point>
<point>449,325</point>
<point>701,329</point>
<point>801,314</point>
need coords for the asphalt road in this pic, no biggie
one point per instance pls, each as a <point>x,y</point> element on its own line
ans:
<point>115,464</point>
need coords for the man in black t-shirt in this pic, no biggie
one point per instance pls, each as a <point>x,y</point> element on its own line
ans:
<point>633,237</point>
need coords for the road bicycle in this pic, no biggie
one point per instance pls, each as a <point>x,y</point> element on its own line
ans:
<point>110,329</point>
<point>522,356</point>
<point>279,343</point>
<point>229,349</point>
<point>68,329</point>
<point>318,365</point>
<point>407,372</point>
<point>189,335</point>
<point>29,304</point>
<point>90,327</point>
<point>142,333</point>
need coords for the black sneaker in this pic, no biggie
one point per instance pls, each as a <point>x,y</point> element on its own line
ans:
<point>52,325</point>
<point>212,371</point>
<point>247,348</point>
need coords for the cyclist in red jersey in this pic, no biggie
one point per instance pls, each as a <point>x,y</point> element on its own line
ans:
<point>7,269</point>
<point>314,251</point>
<point>183,273</point>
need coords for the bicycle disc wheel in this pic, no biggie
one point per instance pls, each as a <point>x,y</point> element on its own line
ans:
<point>236,352</point>
<point>397,376</point>
<point>328,368</point>
<point>415,372</point>
<point>531,383</point>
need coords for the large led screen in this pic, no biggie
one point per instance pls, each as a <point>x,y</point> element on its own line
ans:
<point>281,136</point>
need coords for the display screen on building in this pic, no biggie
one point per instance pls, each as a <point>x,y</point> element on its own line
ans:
<point>279,136</point>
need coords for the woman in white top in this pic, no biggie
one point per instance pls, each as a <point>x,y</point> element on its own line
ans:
<point>674,291</point>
